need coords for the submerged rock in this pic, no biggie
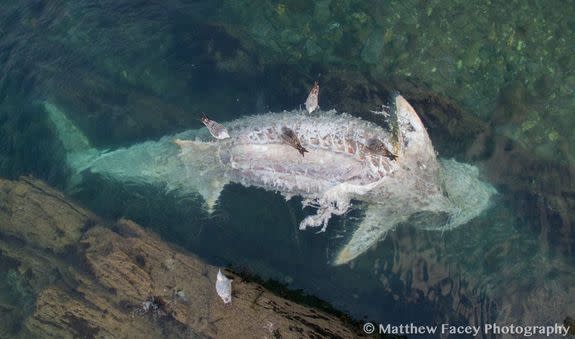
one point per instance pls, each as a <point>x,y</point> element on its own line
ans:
<point>112,280</point>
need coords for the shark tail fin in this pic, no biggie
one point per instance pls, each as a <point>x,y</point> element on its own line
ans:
<point>72,138</point>
<point>80,154</point>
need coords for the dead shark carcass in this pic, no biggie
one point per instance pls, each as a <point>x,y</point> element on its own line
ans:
<point>393,171</point>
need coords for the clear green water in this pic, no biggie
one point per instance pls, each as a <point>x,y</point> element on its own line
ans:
<point>493,81</point>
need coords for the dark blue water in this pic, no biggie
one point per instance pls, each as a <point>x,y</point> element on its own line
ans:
<point>129,71</point>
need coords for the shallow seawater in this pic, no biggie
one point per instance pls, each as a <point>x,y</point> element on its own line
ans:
<point>126,72</point>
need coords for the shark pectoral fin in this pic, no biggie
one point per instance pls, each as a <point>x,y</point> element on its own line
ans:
<point>377,222</point>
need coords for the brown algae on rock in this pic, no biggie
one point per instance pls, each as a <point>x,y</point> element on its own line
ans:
<point>119,279</point>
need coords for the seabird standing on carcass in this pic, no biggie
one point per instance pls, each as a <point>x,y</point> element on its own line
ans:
<point>216,129</point>
<point>311,103</point>
<point>289,136</point>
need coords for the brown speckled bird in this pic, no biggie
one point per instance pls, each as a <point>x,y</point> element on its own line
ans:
<point>377,146</point>
<point>216,129</point>
<point>290,138</point>
<point>312,101</point>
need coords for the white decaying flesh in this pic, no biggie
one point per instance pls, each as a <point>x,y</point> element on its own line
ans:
<point>337,169</point>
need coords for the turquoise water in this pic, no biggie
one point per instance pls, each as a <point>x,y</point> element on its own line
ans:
<point>493,83</point>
